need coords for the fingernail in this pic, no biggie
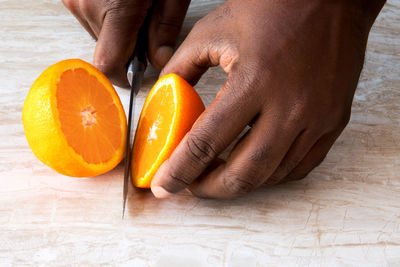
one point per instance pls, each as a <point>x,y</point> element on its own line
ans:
<point>163,54</point>
<point>160,192</point>
<point>156,183</point>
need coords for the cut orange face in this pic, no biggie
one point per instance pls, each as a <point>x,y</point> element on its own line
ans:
<point>169,112</point>
<point>74,120</point>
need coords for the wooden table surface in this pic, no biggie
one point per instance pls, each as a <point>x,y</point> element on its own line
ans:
<point>347,211</point>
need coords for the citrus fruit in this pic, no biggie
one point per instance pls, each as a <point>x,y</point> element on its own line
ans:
<point>74,120</point>
<point>169,112</point>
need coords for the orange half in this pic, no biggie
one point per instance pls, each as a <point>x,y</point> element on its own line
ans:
<point>74,120</point>
<point>169,112</point>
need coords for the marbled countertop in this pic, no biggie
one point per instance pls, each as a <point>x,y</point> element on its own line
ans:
<point>346,212</point>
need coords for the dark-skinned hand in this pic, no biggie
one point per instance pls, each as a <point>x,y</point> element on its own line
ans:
<point>115,25</point>
<point>292,69</point>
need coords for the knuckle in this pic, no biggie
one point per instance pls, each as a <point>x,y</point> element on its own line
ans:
<point>200,149</point>
<point>229,58</point>
<point>298,109</point>
<point>236,185</point>
<point>261,153</point>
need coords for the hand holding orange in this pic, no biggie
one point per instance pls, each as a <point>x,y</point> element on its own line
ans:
<point>169,112</point>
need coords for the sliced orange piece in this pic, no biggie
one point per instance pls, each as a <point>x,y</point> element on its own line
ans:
<point>169,112</point>
<point>74,120</point>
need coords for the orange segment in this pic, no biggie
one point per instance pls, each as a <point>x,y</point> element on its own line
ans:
<point>169,112</point>
<point>74,121</point>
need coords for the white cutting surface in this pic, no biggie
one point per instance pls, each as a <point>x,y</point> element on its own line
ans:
<point>346,212</point>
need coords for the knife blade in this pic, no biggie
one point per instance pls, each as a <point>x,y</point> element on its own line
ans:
<point>136,67</point>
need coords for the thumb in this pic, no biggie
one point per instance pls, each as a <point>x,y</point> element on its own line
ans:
<point>117,41</point>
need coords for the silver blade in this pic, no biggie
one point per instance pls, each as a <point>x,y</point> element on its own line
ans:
<point>135,73</point>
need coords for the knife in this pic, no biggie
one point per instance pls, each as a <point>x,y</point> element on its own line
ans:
<point>136,67</point>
